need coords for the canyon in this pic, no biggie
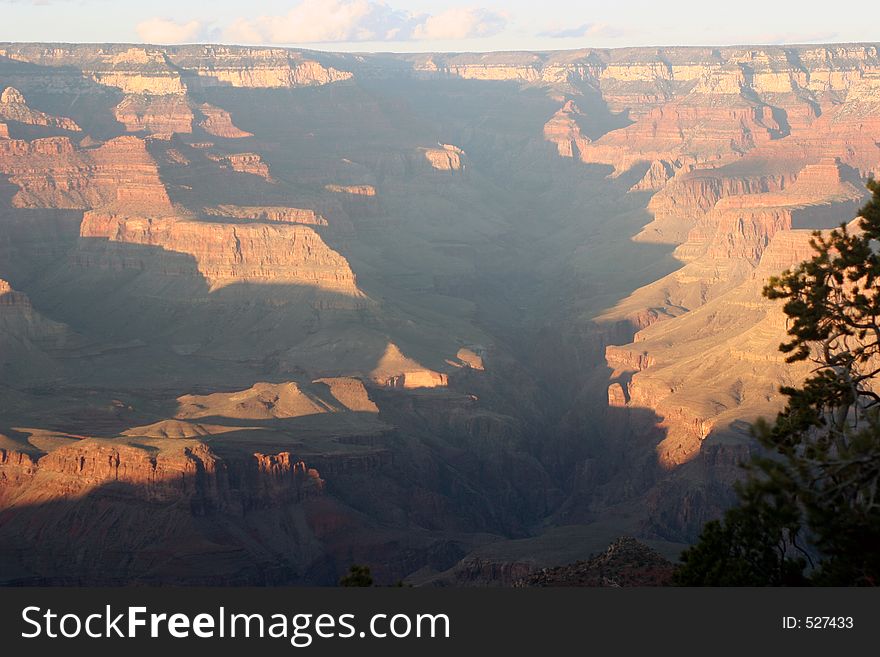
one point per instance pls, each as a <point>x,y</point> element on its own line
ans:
<point>464,318</point>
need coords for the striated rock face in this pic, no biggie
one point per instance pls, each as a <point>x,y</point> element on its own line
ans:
<point>564,130</point>
<point>13,107</point>
<point>255,68</point>
<point>227,253</point>
<point>233,408</point>
<point>170,489</point>
<point>717,364</point>
<point>172,70</point>
<point>273,214</point>
<point>677,132</point>
<point>156,115</point>
<point>704,370</point>
<point>445,158</point>
<point>354,190</point>
<point>655,178</point>
<point>250,163</point>
<point>740,227</point>
<point>727,242</point>
<point>138,70</point>
<point>218,123</point>
<point>17,470</point>
<point>52,173</point>
<point>575,66</point>
<point>688,196</point>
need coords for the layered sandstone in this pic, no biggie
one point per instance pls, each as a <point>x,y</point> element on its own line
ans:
<point>685,198</point>
<point>395,370</point>
<point>470,358</point>
<point>564,130</point>
<point>530,68</point>
<point>687,132</point>
<point>658,174</point>
<point>53,173</point>
<point>164,70</point>
<point>273,214</point>
<point>229,253</point>
<point>714,365</point>
<point>13,107</point>
<point>229,391</point>
<point>251,163</point>
<point>354,190</point>
<point>210,66</point>
<point>155,114</point>
<point>184,469</point>
<point>727,242</point>
<point>356,200</point>
<point>445,158</point>
<point>218,123</point>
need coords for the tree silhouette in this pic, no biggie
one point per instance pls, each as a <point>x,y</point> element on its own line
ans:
<point>357,576</point>
<point>808,509</point>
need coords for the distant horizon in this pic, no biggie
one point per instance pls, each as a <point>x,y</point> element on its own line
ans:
<point>418,26</point>
<point>445,52</point>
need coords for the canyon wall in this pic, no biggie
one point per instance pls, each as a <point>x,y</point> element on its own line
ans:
<point>265,313</point>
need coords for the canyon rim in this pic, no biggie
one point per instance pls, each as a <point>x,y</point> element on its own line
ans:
<point>266,312</point>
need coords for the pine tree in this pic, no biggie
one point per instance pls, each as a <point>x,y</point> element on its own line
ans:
<point>357,576</point>
<point>808,509</point>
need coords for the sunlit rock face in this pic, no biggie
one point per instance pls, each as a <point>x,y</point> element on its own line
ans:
<point>265,313</point>
<point>13,107</point>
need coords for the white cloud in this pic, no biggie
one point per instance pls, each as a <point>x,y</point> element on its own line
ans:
<point>334,21</point>
<point>460,23</point>
<point>165,30</point>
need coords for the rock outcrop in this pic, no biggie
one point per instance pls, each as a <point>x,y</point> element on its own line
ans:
<point>445,158</point>
<point>233,407</point>
<point>251,163</point>
<point>160,115</point>
<point>253,68</point>
<point>351,393</point>
<point>272,214</point>
<point>715,365</point>
<point>53,173</point>
<point>564,130</point>
<point>218,123</point>
<point>262,401</point>
<point>30,343</point>
<point>226,253</point>
<point>172,70</point>
<point>13,107</point>
<point>625,563</point>
<point>354,190</point>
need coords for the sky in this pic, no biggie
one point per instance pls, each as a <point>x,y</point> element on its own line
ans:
<point>423,26</point>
